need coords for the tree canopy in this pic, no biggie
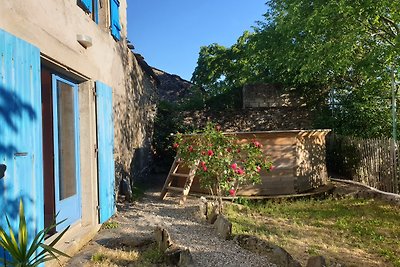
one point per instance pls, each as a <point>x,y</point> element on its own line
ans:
<point>340,54</point>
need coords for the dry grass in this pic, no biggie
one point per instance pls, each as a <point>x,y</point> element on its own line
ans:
<point>113,257</point>
<point>108,257</point>
<point>349,231</point>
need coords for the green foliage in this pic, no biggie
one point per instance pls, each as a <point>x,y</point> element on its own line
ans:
<point>22,251</point>
<point>137,191</point>
<point>110,225</point>
<point>339,54</point>
<point>98,257</point>
<point>223,163</point>
<point>168,121</point>
<point>227,100</point>
<point>152,255</point>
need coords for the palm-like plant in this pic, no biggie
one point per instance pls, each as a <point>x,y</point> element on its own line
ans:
<point>29,254</point>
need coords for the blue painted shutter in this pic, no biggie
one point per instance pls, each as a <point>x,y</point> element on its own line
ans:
<point>105,143</point>
<point>87,4</point>
<point>115,23</point>
<point>96,11</point>
<point>20,133</point>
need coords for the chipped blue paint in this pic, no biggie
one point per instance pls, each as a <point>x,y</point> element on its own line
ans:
<point>105,142</point>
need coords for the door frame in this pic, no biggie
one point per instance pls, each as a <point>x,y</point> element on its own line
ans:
<point>70,205</point>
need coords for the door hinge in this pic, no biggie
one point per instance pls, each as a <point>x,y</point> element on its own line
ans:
<point>96,150</point>
<point>98,208</point>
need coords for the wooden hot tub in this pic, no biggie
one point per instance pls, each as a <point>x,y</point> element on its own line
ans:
<point>297,155</point>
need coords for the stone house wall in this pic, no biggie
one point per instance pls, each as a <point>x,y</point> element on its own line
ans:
<point>270,95</point>
<point>53,27</point>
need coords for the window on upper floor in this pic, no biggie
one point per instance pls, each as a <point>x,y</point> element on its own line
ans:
<point>114,21</point>
<point>91,7</point>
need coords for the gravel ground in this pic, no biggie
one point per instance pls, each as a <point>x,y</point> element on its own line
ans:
<point>138,221</point>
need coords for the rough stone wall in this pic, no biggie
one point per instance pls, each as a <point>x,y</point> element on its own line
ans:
<point>270,95</point>
<point>172,87</point>
<point>246,120</point>
<point>134,111</point>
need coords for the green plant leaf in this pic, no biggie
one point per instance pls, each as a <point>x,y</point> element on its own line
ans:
<point>21,254</point>
<point>23,232</point>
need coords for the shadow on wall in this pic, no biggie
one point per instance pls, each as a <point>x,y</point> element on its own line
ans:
<point>12,109</point>
<point>134,122</point>
<point>311,170</point>
<point>14,114</point>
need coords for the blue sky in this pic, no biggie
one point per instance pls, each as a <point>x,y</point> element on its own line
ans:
<point>169,33</point>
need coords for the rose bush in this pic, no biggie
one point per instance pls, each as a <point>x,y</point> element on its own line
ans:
<point>223,162</point>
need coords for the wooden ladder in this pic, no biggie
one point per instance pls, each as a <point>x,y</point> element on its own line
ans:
<point>173,173</point>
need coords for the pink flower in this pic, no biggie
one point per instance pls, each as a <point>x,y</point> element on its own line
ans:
<point>210,153</point>
<point>234,166</point>
<point>258,168</point>
<point>257,144</point>
<point>190,148</point>
<point>203,164</point>
<point>232,192</point>
<point>272,168</point>
<point>176,145</point>
<point>204,168</point>
<point>240,171</point>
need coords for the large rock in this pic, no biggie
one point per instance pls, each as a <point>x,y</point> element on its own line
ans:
<point>162,238</point>
<point>212,212</point>
<point>223,227</point>
<point>201,209</point>
<point>276,254</point>
<point>316,261</point>
<point>173,254</point>
<point>178,256</point>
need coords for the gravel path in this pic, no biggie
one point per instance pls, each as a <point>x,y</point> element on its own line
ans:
<point>139,219</point>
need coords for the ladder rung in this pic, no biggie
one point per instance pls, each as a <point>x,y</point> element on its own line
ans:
<point>180,175</point>
<point>178,189</point>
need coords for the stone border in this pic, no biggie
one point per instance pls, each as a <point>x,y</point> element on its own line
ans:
<point>276,254</point>
<point>371,192</point>
<point>173,254</point>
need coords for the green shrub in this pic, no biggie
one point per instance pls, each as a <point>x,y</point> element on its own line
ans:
<point>223,163</point>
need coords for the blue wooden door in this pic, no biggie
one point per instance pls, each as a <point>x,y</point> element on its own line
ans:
<point>66,151</point>
<point>20,133</point>
<point>105,142</point>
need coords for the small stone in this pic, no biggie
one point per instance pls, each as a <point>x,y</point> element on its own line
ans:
<point>223,227</point>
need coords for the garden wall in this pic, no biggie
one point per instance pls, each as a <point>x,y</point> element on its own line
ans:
<point>247,120</point>
<point>270,95</point>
